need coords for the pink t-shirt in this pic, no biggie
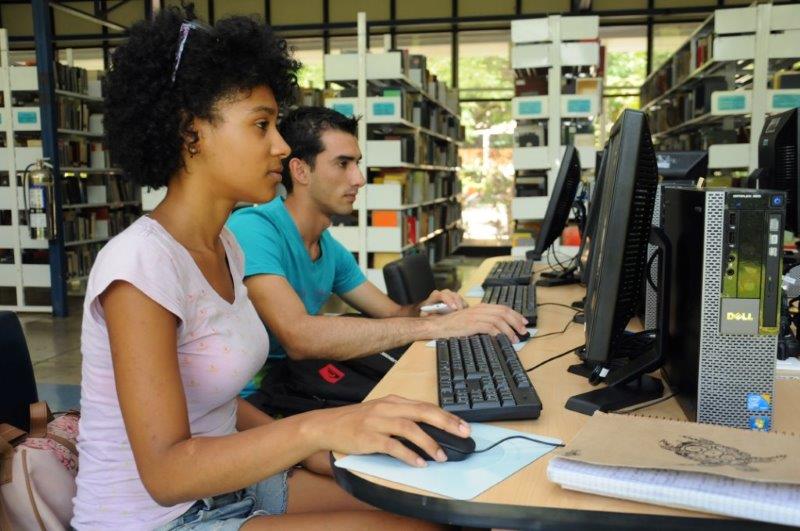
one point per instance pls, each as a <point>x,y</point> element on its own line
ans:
<point>220,347</point>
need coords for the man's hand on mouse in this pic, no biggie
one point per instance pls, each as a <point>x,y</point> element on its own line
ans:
<point>490,319</point>
<point>372,427</point>
<point>452,300</point>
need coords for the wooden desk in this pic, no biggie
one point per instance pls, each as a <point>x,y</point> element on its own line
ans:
<point>528,498</point>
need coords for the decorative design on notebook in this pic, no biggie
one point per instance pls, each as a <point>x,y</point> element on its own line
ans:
<point>709,453</point>
<point>571,453</point>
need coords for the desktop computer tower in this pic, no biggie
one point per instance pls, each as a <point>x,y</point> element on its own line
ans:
<point>724,301</point>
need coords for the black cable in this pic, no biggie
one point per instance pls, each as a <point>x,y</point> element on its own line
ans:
<point>567,306</point>
<point>548,360</point>
<point>548,443</point>
<point>560,331</point>
<point>662,399</point>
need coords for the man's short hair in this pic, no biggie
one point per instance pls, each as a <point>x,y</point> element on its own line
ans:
<point>302,129</point>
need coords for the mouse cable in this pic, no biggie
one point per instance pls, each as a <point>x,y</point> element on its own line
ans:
<point>567,306</point>
<point>501,441</point>
<point>548,360</point>
<point>557,332</point>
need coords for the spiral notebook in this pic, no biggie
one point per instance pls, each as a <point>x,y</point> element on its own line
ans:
<point>705,468</point>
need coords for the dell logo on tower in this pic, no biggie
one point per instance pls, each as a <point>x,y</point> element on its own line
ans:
<point>739,316</point>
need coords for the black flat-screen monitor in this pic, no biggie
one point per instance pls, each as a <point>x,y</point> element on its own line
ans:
<point>591,221</point>
<point>560,205</point>
<point>618,261</point>
<point>682,165</point>
<point>778,149</point>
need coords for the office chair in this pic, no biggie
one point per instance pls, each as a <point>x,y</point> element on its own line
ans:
<point>409,280</point>
<point>17,385</point>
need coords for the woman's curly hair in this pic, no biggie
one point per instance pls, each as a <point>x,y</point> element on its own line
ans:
<point>147,114</point>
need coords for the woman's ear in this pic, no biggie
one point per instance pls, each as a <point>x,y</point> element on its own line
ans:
<point>191,136</point>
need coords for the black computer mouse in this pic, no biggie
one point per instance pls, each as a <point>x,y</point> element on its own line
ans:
<point>523,337</point>
<point>455,448</point>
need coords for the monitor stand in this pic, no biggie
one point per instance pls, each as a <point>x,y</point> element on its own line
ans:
<point>630,384</point>
<point>562,278</point>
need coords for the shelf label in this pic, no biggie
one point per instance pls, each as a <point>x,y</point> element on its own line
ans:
<point>530,108</point>
<point>579,106</point>
<point>383,108</point>
<point>27,117</point>
<point>733,102</point>
<point>785,101</point>
<point>344,108</point>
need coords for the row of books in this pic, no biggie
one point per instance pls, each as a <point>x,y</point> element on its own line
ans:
<point>76,115</point>
<point>534,134</point>
<point>437,248</point>
<point>81,152</point>
<point>98,189</point>
<point>686,105</point>
<point>80,259</point>
<point>689,57</point>
<point>79,80</point>
<point>418,186</point>
<point>438,90</point>
<point>99,223</point>
<point>702,139</point>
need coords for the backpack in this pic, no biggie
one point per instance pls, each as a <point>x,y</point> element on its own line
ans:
<point>37,471</point>
<point>290,387</point>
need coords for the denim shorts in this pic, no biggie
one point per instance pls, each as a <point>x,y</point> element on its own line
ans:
<point>229,512</point>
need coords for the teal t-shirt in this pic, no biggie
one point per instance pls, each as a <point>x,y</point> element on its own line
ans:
<point>272,245</point>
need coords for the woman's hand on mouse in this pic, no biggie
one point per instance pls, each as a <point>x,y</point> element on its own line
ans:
<point>372,427</point>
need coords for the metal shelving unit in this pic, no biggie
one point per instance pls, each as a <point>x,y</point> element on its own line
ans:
<point>368,72</point>
<point>743,46</point>
<point>561,46</point>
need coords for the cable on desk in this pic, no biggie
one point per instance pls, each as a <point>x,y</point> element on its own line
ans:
<point>567,306</point>
<point>501,441</point>
<point>548,360</point>
<point>662,399</point>
<point>556,333</point>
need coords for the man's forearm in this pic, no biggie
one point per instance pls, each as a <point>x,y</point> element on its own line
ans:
<point>342,338</point>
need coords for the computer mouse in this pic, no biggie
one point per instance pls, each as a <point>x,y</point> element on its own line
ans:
<point>523,337</point>
<point>455,448</point>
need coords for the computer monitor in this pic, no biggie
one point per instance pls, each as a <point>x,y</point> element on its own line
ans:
<point>682,165</point>
<point>617,263</point>
<point>591,221</point>
<point>561,201</point>
<point>778,150</point>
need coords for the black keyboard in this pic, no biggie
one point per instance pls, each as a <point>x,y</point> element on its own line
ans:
<point>509,273</point>
<point>481,379</point>
<point>521,299</point>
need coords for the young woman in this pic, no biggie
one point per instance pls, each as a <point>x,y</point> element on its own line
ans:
<point>169,336</point>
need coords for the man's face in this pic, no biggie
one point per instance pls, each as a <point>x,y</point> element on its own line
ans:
<point>335,179</point>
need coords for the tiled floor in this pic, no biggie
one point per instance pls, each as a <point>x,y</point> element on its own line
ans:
<point>54,345</point>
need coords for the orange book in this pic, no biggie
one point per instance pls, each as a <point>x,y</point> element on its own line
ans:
<point>385,218</point>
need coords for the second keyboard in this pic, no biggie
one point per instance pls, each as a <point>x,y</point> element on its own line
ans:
<point>521,299</point>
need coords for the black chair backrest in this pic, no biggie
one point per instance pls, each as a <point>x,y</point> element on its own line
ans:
<point>17,385</point>
<point>409,280</point>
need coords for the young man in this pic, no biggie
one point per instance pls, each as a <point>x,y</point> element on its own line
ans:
<point>293,264</point>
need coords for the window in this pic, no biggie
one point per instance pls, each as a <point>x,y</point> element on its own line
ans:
<point>625,70</point>
<point>308,52</point>
<point>484,65</point>
<point>668,37</point>
<point>436,47</point>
